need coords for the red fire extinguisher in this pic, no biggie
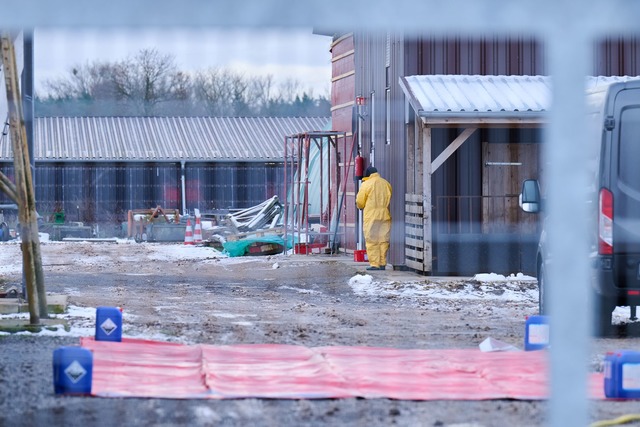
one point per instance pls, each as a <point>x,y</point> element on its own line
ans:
<point>359,168</point>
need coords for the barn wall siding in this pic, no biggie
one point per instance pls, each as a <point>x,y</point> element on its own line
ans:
<point>378,68</point>
<point>382,58</point>
<point>96,193</point>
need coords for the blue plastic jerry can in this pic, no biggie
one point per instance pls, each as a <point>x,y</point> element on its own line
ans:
<point>72,370</point>
<point>108,324</point>
<point>536,334</point>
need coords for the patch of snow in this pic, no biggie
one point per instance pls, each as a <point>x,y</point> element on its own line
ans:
<point>496,291</point>
<point>81,322</point>
<point>362,284</point>
<point>10,269</point>
<point>231,315</point>
<point>621,316</point>
<point>301,291</point>
<point>493,277</point>
<point>243,323</point>
<point>184,252</point>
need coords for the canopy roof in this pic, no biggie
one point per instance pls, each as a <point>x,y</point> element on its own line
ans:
<point>476,99</point>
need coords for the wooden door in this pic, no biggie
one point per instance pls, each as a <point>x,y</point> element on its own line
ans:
<point>504,167</point>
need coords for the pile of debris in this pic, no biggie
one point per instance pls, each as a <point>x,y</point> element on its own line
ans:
<point>155,225</point>
<point>266,215</point>
<point>256,230</point>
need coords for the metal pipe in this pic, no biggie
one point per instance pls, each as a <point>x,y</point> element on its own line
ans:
<point>286,198</point>
<point>141,160</point>
<point>184,192</point>
<point>360,244</point>
<point>503,163</point>
<point>372,149</point>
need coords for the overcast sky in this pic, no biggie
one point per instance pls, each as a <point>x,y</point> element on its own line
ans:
<point>296,54</point>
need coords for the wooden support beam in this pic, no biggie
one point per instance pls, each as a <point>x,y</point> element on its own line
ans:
<point>30,240</point>
<point>8,188</point>
<point>419,158</point>
<point>425,138</point>
<point>451,148</point>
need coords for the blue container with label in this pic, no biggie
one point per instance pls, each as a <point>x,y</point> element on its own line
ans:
<point>72,370</point>
<point>622,374</point>
<point>536,334</point>
<point>108,324</point>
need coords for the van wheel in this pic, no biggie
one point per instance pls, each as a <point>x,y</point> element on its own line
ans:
<point>543,307</point>
<point>603,316</point>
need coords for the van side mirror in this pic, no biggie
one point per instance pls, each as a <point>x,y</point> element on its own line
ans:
<point>529,199</point>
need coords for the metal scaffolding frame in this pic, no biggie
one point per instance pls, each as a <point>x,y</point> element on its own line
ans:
<point>300,163</point>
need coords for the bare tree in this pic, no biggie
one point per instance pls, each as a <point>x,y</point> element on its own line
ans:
<point>89,81</point>
<point>223,92</point>
<point>149,83</point>
<point>148,79</point>
<point>181,86</point>
<point>261,92</point>
<point>288,90</point>
<point>227,93</point>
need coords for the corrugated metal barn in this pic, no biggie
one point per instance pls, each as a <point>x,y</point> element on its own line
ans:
<point>371,66</point>
<point>96,169</point>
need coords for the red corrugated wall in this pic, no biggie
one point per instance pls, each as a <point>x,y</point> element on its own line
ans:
<point>343,101</point>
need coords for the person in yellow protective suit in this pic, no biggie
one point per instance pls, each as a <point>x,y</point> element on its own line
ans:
<point>374,197</point>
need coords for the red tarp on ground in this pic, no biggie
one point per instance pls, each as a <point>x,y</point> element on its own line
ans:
<point>139,368</point>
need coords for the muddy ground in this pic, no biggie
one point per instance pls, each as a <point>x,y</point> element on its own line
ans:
<point>168,294</point>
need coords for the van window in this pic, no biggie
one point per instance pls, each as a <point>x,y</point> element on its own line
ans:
<point>629,148</point>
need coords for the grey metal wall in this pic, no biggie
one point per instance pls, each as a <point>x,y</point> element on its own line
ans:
<point>104,192</point>
<point>378,60</point>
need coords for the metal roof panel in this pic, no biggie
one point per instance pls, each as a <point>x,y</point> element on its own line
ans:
<point>464,93</point>
<point>486,94</point>
<point>144,139</point>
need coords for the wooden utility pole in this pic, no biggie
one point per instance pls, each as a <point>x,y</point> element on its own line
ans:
<point>31,255</point>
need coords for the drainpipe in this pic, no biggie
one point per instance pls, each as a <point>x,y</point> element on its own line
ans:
<point>373,129</point>
<point>372,157</point>
<point>27,93</point>
<point>360,217</point>
<point>360,102</point>
<point>184,193</point>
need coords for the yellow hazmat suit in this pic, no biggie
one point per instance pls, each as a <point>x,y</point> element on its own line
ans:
<point>374,197</point>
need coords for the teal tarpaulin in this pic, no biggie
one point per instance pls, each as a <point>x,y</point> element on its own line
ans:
<point>241,247</point>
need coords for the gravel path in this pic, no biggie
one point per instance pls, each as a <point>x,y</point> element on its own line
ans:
<point>197,297</point>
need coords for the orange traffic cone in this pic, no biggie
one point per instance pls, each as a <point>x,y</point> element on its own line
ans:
<point>197,234</point>
<point>188,234</point>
